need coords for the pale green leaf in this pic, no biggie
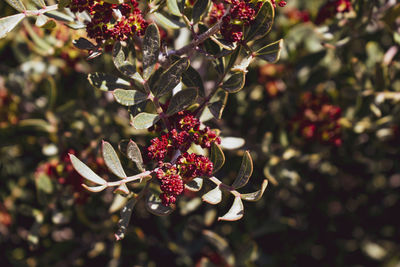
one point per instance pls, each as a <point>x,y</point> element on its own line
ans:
<point>213,197</point>
<point>173,7</point>
<point>144,120</point>
<point>168,22</point>
<point>194,185</point>
<point>94,189</point>
<point>255,196</point>
<point>246,169</point>
<point>9,23</point>
<point>112,161</point>
<point>129,97</point>
<point>235,212</point>
<point>85,171</point>
<point>17,4</point>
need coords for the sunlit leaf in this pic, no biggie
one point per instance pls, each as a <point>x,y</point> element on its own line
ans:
<point>171,77</point>
<point>124,57</point>
<point>194,185</point>
<point>232,143</point>
<point>144,120</point>
<point>95,189</point>
<point>129,97</point>
<point>118,203</point>
<point>181,100</point>
<point>41,20</point>
<point>199,8</point>
<point>126,214</point>
<point>132,151</point>
<point>235,82</point>
<point>151,50</point>
<point>122,189</point>
<point>17,4</point>
<point>246,169</point>
<point>107,82</point>
<point>262,24</point>
<point>112,161</point>
<point>173,7</point>
<point>235,212</point>
<point>168,22</point>
<point>213,197</point>
<point>85,171</point>
<point>154,206</point>
<point>255,196</point>
<point>270,52</point>
<point>9,23</point>
<point>217,157</point>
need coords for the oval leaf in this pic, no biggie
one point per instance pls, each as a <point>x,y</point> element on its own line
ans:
<point>181,100</point>
<point>112,161</point>
<point>255,196</point>
<point>217,157</point>
<point>262,23</point>
<point>106,82</point>
<point>129,97</point>
<point>151,50</point>
<point>126,214</point>
<point>154,206</point>
<point>170,78</point>
<point>246,169</point>
<point>144,120</point>
<point>194,185</point>
<point>134,154</point>
<point>17,4</point>
<point>85,171</point>
<point>213,197</point>
<point>168,22</point>
<point>199,8</point>
<point>270,52</point>
<point>235,82</point>
<point>235,212</point>
<point>124,57</point>
<point>191,78</point>
<point>9,23</point>
<point>94,189</point>
<point>173,7</point>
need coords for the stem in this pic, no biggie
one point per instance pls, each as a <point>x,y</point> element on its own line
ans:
<point>224,187</point>
<point>157,105</point>
<point>131,178</point>
<point>40,11</point>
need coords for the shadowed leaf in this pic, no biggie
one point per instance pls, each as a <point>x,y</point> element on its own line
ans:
<point>199,9</point>
<point>144,120</point>
<point>126,214</point>
<point>106,82</point>
<point>151,50</point>
<point>194,185</point>
<point>191,78</point>
<point>171,77</point>
<point>255,196</point>
<point>124,58</point>
<point>218,103</point>
<point>270,52</point>
<point>262,24</point>
<point>181,100</point>
<point>235,82</point>
<point>112,161</point>
<point>217,157</point>
<point>154,206</point>
<point>235,212</point>
<point>84,44</point>
<point>85,171</point>
<point>246,169</point>
<point>213,197</point>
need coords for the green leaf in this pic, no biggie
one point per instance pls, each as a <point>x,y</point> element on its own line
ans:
<point>112,161</point>
<point>144,120</point>
<point>213,197</point>
<point>118,203</point>
<point>246,169</point>
<point>173,7</point>
<point>235,212</point>
<point>191,78</point>
<point>235,82</point>
<point>124,57</point>
<point>151,50</point>
<point>134,154</point>
<point>270,52</point>
<point>39,3</point>
<point>95,189</point>
<point>199,8</point>
<point>17,4</point>
<point>44,184</point>
<point>171,77</point>
<point>9,23</point>
<point>83,44</point>
<point>194,185</point>
<point>217,157</point>
<point>181,100</point>
<point>262,24</point>
<point>122,189</point>
<point>218,103</point>
<point>107,82</point>
<point>126,214</point>
<point>154,206</point>
<point>168,23</point>
<point>41,20</point>
<point>57,15</point>
<point>232,59</point>
<point>129,97</point>
<point>255,196</point>
<point>85,171</point>
<point>63,3</point>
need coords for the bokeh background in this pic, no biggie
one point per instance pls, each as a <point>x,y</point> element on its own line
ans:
<point>322,126</point>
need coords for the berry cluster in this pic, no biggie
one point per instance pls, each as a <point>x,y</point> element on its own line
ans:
<point>111,21</point>
<point>281,3</point>
<point>318,119</point>
<point>330,9</point>
<point>187,166</point>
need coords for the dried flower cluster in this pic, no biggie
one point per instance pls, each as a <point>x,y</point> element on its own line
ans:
<point>185,132</point>
<point>111,21</point>
<point>318,119</point>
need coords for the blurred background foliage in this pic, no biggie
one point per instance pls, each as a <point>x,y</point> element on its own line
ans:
<point>322,126</point>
